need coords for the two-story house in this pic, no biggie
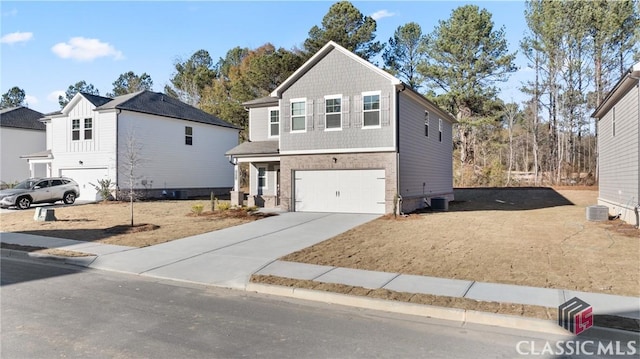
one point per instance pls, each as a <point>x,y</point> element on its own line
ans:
<point>619,148</point>
<point>342,135</point>
<point>165,145</point>
<point>21,133</point>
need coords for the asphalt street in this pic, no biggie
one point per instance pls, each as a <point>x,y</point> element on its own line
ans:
<point>50,310</point>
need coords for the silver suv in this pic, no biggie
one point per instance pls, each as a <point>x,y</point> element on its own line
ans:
<point>40,190</point>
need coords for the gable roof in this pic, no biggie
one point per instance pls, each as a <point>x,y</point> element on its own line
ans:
<point>628,80</point>
<point>155,103</point>
<point>331,46</point>
<point>326,49</point>
<point>21,117</point>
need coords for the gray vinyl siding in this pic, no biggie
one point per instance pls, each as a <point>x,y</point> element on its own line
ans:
<point>258,124</point>
<point>619,155</point>
<point>423,160</point>
<point>338,74</point>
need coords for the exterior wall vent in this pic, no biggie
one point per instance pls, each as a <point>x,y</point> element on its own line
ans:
<point>597,213</point>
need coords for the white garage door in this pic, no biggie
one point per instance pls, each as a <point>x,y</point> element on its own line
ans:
<point>345,191</point>
<point>85,176</point>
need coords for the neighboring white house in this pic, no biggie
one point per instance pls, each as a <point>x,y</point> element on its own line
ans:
<point>619,148</point>
<point>20,133</point>
<point>176,150</point>
<point>342,135</point>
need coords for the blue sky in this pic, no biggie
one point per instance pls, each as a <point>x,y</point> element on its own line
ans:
<point>46,46</point>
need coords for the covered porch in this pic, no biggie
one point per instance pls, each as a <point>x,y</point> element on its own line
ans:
<point>263,185</point>
<point>39,164</point>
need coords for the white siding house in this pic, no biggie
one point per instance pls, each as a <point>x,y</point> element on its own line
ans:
<point>619,148</point>
<point>342,135</point>
<point>21,133</point>
<point>174,149</point>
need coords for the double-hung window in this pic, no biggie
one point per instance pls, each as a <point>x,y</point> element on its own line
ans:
<point>262,179</point>
<point>298,115</point>
<point>274,122</point>
<point>75,130</point>
<point>88,128</point>
<point>188,135</point>
<point>440,130</point>
<point>613,122</point>
<point>333,112</point>
<point>371,109</point>
<point>426,123</point>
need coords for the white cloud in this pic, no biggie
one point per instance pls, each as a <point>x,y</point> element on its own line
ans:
<point>12,12</point>
<point>83,49</point>
<point>15,37</point>
<point>31,100</point>
<point>382,14</point>
<point>53,97</point>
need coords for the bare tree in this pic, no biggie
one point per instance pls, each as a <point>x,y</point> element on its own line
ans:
<point>130,164</point>
<point>510,114</point>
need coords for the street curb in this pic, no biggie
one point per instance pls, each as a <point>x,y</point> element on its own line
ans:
<point>15,253</point>
<point>455,314</point>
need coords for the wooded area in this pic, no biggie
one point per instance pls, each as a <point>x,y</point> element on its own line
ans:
<point>577,50</point>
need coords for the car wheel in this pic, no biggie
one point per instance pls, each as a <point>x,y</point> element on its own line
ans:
<point>23,203</point>
<point>69,198</point>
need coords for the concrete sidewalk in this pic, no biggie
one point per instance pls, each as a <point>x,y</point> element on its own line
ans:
<point>603,304</point>
<point>228,257</point>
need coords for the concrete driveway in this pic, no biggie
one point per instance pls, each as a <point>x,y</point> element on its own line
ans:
<point>229,256</point>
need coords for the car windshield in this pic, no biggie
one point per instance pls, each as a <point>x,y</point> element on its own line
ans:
<point>26,184</point>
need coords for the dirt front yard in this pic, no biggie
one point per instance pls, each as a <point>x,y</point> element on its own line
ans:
<point>154,222</point>
<point>531,236</point>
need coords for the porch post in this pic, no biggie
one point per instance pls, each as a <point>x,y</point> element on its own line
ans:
<point>237,197</point>
<point>236,176</point>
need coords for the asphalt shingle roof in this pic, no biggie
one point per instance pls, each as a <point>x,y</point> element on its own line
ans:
<point>261,101</point>
<point>255,148</point>
<point>21,117</point>
<point>159,104</point>
<point>95,99</point>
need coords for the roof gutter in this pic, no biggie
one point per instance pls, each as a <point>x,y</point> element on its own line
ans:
<point>631,78</point>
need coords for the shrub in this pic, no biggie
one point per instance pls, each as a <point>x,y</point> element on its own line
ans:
<point>197,209</point>
<point>104,188</point>
<point>223,206</point>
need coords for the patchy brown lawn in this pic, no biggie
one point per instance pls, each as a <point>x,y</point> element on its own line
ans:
<point>109,222</point>
<point>532,237</point>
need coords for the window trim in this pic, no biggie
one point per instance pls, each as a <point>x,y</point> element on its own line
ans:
<point>75,129</point>
<point>85,129</point>
<point>332,97</point>
<point>372,93</point>
<point>188,137</point>
<point>269,124</point>
<point>304,115</point>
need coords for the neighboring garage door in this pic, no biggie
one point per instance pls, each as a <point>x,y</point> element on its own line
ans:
<point>85,176</point>
<point>345,191</point>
